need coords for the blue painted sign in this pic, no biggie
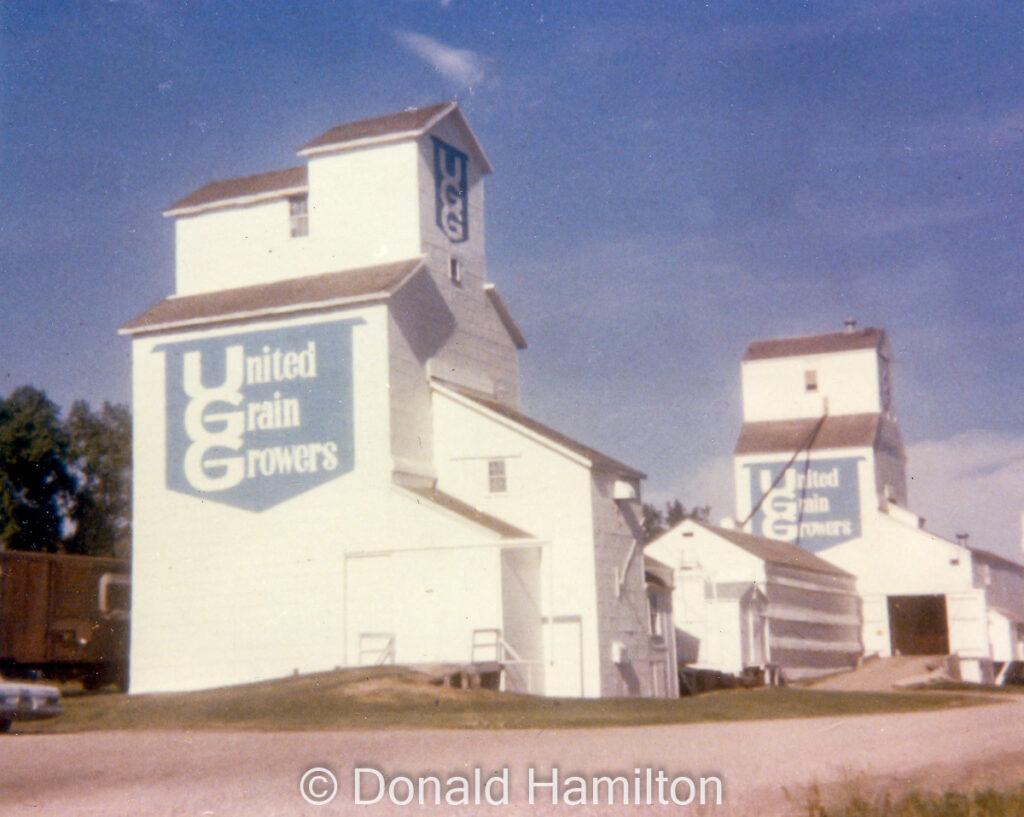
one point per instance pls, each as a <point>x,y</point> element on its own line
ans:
<point>256,418</point>
<point>816,507</point>
<point>451,184</point>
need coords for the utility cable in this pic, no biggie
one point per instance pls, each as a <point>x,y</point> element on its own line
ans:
<point>807,443</point>
<point>807,468</point>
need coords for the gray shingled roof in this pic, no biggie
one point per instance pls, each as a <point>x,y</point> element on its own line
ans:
<point>778,436</point>
<point>413,119</point>
<point>514,332</point>
<point>989,556</point>
<point>869,338</point>
<point>598,459</point>
<point>258,184</point>
<point>296,294</point>
<point>776,552</point>
<point>457,506</point>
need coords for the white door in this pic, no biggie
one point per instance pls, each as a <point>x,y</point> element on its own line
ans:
<point>564,678</point>
<point>369,611</point>
<point>752,627</point>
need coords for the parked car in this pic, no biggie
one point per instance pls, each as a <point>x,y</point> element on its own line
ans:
<point>21,701</point>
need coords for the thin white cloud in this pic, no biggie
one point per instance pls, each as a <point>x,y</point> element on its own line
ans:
<point>967,133</point>
<point>462,66</point>
<point>149,6</point>
<point>974,483</point>
<point>842,143</point>
<point>867,17</point>
<point>875,219</point>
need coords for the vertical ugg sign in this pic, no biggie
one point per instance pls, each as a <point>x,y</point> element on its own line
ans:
<point>451,182</point>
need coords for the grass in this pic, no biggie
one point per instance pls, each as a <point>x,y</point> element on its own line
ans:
<point>987,803</point>
<point>397,697</point>
<point>963,686</point>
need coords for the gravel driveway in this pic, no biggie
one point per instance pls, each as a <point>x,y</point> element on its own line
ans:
<point>766,766</point>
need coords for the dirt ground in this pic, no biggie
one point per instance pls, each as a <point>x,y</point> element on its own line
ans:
<point>887,674</point>
<point>766,766</point>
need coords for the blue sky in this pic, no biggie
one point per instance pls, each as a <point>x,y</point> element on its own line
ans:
<point>672,180</point>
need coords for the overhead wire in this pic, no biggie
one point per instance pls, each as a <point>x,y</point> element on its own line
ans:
<point>805,445</point>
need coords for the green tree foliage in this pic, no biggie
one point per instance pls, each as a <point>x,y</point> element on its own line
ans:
<point>655,521</point>
<point>64,486</point>
<point>100,461</point>
<point>674,513</point>
<point>652,522</point>
<point>34,480</point>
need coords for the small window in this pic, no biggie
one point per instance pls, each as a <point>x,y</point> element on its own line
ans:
<point>298,213</point>
<point>115,594</point>
<point>496,476</point>
<point>454,270</point>
<point>811,380</point>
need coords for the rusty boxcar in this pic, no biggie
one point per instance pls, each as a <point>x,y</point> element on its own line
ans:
<point>64,617</point>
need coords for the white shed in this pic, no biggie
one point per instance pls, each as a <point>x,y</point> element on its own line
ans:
<point>744,602</point>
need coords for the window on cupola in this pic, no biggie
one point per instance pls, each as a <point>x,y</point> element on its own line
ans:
<point>810,380</point>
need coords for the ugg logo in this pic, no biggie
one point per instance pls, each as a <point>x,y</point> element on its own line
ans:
<point>450,191</point>
<point>254,419</point>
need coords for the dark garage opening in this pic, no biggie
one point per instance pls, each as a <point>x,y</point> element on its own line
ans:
<point>918,625</point>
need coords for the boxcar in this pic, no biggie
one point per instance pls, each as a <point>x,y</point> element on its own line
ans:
<point>64,617</point>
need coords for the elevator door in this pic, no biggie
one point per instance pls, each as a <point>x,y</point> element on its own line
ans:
<point>918,625</point>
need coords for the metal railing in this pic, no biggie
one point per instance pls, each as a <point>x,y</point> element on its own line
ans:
<point>378,646</point>
<point>493,643</point>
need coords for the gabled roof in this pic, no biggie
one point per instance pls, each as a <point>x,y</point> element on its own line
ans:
<point>408,124</point>
<point>868,338</point>
<point>995,558</point>
<point>593,456</point>
<point>312,292</point>
<point>789,436</point>
<point>774,551</point>
<point>242,190</point>
<point>466,511</point>
<point>507,320</point>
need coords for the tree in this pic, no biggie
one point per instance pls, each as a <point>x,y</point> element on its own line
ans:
<point>652,523</point>
<point>34,481</point>
<point>655,522</point>
<point>674,513</point>
<point>100,462</point>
